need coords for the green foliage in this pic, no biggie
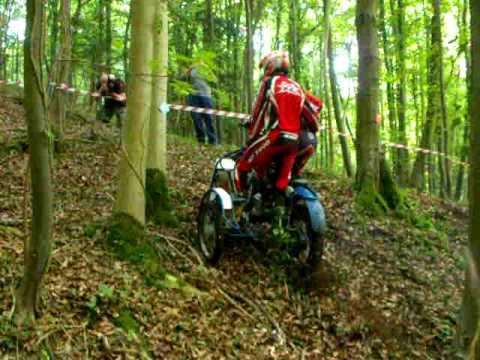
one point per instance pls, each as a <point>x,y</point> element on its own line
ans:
<point>126,320</point>
<point>90,230</point>
<point>181,88</point>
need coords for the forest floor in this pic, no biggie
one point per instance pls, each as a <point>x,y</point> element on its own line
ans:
<point>389,287</point>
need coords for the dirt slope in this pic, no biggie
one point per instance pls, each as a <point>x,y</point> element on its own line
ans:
<point>389,288</point>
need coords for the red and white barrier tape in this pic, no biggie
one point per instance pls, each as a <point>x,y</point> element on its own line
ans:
<point>453,160</point>
<point>165,108</point>
<point>185,108</point>
<point>18,82</point>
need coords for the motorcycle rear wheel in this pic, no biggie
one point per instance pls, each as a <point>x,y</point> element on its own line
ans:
<point>309,249</point>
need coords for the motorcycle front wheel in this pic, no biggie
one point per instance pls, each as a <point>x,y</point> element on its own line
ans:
<point>209,228</point>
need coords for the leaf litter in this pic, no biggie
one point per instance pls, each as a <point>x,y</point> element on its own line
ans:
<point>388,288</point>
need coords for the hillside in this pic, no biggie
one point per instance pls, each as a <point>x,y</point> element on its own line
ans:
<point>389,288</point>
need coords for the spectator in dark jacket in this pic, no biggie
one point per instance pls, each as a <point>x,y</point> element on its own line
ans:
<point>114,100</point>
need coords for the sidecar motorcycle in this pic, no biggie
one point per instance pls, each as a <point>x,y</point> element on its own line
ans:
<point>225,213</point>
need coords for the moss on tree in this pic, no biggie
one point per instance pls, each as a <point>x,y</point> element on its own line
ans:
<point>370,200</point>
<point>379,199</point>
<point>126,237</point>
<point>158,206</point>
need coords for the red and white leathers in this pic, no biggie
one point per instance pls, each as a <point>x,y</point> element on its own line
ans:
<point>307,142</point>
<point>274,129</point>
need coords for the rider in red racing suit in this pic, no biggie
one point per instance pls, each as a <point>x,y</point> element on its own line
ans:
<point>275,125</point>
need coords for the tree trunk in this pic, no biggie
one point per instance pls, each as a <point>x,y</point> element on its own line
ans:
<point>157,202</point>
<point>330,148</point>
<point>464,149</point>
<point>125,46</point>
<point>157,144</point>
<point>108,33</point>
<point>209,44</point>
<point>131,189</point>
<point>54,13</point>
<point>6,21</point>
<point>99,39</point>
<point>441,168</point>
<point>402,168</point>
<point>336,107</point>
<point>392,114</point>
<point>278,23</point>
<point>17,59</point>
<point>463,43</point>
<point>367,97</point>
<point>463,158</point>
<point>249,53</point>
<point>377,191</point>
<point>293,39</point>
<point>37,247</point>
<point>209,35</point>
<point>445,148</point>
<point>433,106</point>
<point>469,324</point>
<point>57,106</point>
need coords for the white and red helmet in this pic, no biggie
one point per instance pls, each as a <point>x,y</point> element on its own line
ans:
<point>275,61</point>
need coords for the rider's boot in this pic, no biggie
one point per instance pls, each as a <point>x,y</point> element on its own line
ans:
<point>279,207</point>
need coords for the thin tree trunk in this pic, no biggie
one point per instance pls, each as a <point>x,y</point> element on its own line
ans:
<point>392,115</point>
<point>463,158</point>
<point>433,106</point>
<point>100,37</point>
<point>108,33</point>
<point>131,189</point>
<point>330,148</point>
<point>443,124</point>
<point>125,46</point>
<point>9,11</point>
<point>403,163</point>
<point>293,39</point>
<point>209,43</point>
<point>336,107</point>
<point>17,59</point>
<point>278,23</point>
<point>443,105</point>
<point>463,45</point>
<point>57,106</point>
<point>54,13</point>
<point>249,53</point>
<point>236,59</point>
<point>441,168</point>
<point>37,247</point>
<point>157,143</point>
<point>466,130</point>
<point>415,86</point>
<point>209,34</point>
